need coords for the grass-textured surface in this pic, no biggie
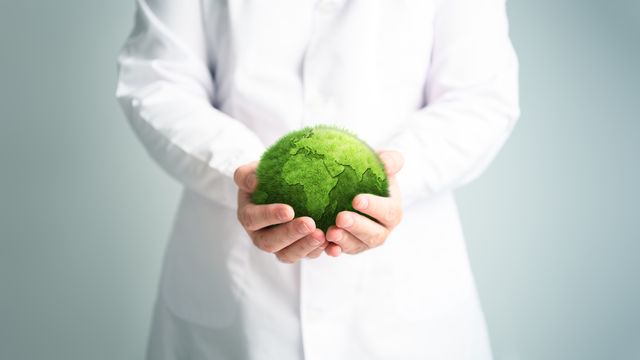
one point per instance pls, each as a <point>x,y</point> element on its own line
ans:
<point>318,171</point>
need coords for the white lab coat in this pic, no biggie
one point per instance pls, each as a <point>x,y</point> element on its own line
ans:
<point>207,85</point>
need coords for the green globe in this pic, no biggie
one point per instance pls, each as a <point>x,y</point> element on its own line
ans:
<point>318,171</point>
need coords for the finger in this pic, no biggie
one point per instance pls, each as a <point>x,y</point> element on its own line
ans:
<point>363,229</point>
<point>346,241</point>
<point>394,189</point>
<point>254,217</point>
<point>244,198</point>
<point>318,251</point>
<point>245,176</point>
<point>301,248</point>
<point>333,250</point>
<point>393,161</point>
<point>387,210</point>
<point>276,238</point>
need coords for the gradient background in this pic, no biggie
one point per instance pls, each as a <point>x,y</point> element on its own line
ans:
<point>552,226</point>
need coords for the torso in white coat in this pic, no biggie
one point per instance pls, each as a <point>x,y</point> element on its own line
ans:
<point>207,85</point>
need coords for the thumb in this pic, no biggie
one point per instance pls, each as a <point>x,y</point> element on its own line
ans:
<point>392,160</point>
<point>245,176</point>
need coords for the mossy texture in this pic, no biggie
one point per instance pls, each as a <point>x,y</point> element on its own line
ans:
<point>318,171</point>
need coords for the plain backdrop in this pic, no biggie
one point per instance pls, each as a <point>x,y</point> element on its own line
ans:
<point>552,226</point>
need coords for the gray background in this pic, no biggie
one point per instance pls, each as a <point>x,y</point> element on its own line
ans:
<point>552,226</point>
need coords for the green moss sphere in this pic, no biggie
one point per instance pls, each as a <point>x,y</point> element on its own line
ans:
<point>318,171</point>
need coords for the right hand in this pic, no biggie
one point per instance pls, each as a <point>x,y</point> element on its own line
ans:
<point>290,239</point>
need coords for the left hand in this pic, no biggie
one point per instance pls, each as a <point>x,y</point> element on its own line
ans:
<point>354,233</point>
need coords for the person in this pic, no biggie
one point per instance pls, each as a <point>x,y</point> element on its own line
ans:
<point>208,85</point>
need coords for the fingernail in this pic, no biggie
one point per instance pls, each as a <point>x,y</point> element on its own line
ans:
<point>251,181</point>
<point>362,203</point>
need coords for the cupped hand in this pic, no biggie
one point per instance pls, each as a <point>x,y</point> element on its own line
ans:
<point>353,232</point>
<point>272,227</point>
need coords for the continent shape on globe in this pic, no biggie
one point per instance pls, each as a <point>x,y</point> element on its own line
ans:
<point>318,170</point>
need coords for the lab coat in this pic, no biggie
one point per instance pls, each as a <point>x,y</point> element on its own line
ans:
<point>208,85</point>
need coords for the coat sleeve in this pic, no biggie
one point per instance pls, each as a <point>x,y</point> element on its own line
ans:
<point>166,90</point>
<point>472,100</point>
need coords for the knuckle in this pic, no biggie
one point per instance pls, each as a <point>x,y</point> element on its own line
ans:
<point>345,249</point>
<point>269,247</point>
<point>369,236</point>
<point>375,244</point>
<point>353,250</point>
<point>283,258</point>
<point>272,212</point>
<point>377,238</point>
<point>308,243</point>
<point>390,215</point>
<point>257,242</point>
<point>247,219</point>
<point>393,215</point>
<point>311,244</point>
<point>362,247</point>
<point>239,216</point>
<point>263,244</point>
<point>267,212</point>
<point>293,229</point>
<point>350,247</point>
